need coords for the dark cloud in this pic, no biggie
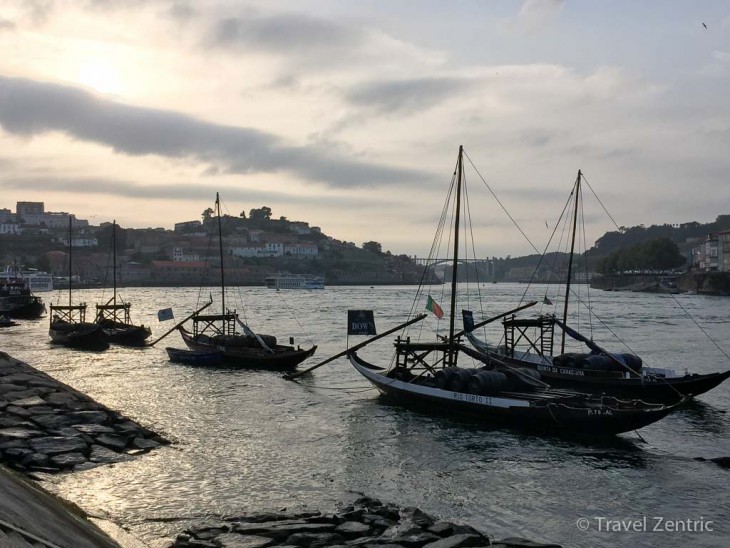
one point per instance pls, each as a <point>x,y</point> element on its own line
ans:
<point>406,96</point>
<point>182,192</point>
<point>290,34</point>
<point>6,25</point>
<point>29,108</point>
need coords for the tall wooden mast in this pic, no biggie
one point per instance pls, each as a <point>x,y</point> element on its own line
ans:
<point>576,198</point>
<point>454,267</point>
<point>220,250</point>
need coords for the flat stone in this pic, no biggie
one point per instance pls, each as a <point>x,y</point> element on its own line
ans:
<point>112,442</point>
<point>315,539</point>
<point>18,433</point>
<point>6,387</point>
<point>144,443</point>
<point>19,378</point>
<point>88,417</point>
<point>16,453</point>
<point>282,530</point>
<point>55,445</point>
<point>416,540</point>
<point>43,381</point>
<point>27,393</point>
<point>416,516</point>
<point>68,460</point>
<point>19,411</point>
<point>93,429</point>
<point>52,421</point>
<point>353,529</point>
<point>28,402</point>
<point>458,541</point>
<point>41,410</point>
<point>232,540</point>
<point>102,455</point>
<point>441,528</point>
<point>59,399</point>
<point>36,460</point>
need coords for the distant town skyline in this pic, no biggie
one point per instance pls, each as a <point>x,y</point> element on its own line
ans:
<point>349,115</point>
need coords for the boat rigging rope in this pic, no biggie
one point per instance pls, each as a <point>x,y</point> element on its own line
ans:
<point>291,313</point>
<point>700,328</point>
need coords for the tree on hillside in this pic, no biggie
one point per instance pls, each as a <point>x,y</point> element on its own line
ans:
<point>104,237</point>
<point>657,254</point>
<point>374,247</point>
<point>259,216</point>
<point>207,214</point>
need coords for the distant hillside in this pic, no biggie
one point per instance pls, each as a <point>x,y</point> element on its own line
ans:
<point>685,235</point>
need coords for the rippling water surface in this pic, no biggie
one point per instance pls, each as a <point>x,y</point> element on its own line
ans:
<point>248,441</point>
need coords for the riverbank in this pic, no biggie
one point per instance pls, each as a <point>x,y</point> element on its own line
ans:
<point>47,427</point>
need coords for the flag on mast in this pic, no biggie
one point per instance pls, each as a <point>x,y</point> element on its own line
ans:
<point>433,306</point>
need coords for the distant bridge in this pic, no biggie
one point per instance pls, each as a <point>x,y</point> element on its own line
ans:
<point>484,268</point>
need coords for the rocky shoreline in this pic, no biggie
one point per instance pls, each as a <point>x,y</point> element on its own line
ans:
<point>367,522</point>
<point>48,427</point>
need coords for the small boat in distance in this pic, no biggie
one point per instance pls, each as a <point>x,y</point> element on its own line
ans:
<point>114,317</point>
<point>294,281</point>
<point>430,376</point>
<point>244,348</point>
<point>18,301</point>
<point>68,326</point>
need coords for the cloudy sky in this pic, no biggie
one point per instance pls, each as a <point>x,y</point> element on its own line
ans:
<point>349,115</point>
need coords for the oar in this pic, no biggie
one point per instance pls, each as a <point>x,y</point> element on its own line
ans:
<point>290,377</point>
<point>153,343</point>
<point>495,318</point>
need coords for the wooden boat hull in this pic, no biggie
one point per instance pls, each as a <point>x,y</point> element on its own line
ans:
<point>126,334</point>
<point>648,388</point>
<point>22,307</point>
<point>283,358</point>
<point>193,357</point>
<point>553,411</point>
<point>83,335</point>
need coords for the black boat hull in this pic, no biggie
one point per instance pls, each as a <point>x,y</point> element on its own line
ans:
<point>649,388</point>
<point>22,307</point>
<point>283,358</point>
<point>126,334</point>
<point>197,358</point>
<point>573,414</point>
<point>653,389</point>
<point>86,336</point>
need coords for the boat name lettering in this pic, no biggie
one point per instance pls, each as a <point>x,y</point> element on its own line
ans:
<point>472,398</point>
<point>600,412</point>
<point>561,370</point>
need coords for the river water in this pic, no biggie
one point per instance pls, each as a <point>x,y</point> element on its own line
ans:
<point>250,441</point>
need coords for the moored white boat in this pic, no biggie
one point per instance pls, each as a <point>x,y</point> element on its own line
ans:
<point>294,281</point>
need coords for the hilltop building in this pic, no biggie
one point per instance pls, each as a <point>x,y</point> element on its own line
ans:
<point>713,255</point>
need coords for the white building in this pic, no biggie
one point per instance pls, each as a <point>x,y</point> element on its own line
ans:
<point>301,249</point>
<point>80,242</point>
<point>10,228</point>
<point>714,253</point>
<point>179,255</point>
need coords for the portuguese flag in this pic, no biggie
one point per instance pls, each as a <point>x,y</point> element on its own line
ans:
<point>433,306</point>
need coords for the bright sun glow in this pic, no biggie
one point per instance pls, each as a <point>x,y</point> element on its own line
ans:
<point>101,76</point>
